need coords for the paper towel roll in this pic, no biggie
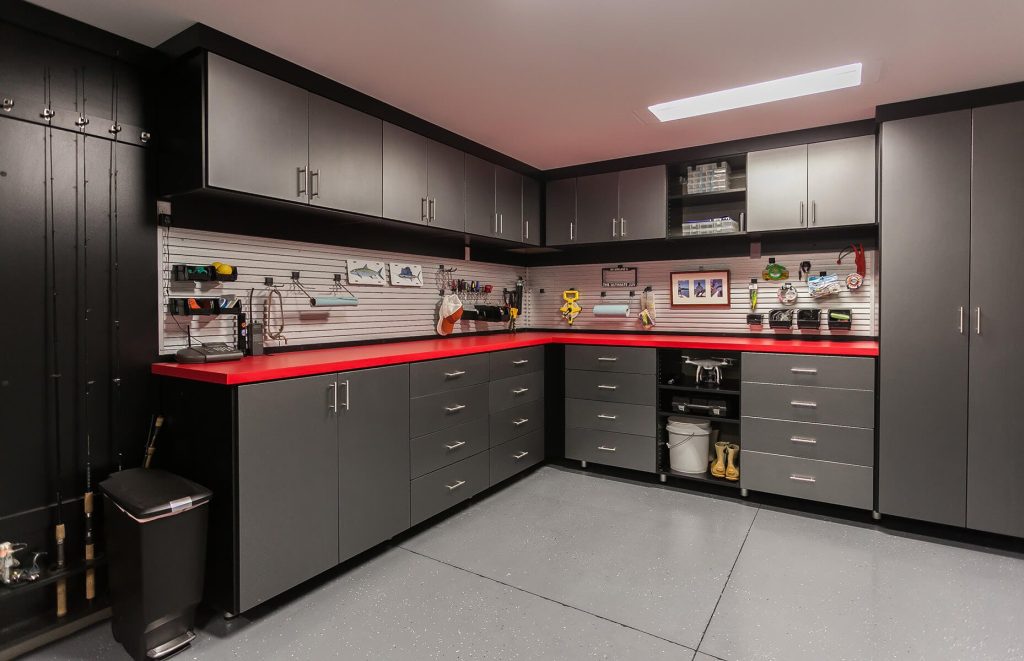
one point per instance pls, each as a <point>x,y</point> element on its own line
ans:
<point>611,310</point>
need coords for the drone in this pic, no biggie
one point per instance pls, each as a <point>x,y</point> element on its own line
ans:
<point>709,370</point>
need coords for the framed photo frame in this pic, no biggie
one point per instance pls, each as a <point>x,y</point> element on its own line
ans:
<point>699,288</point>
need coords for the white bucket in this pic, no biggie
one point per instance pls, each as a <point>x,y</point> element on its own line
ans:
<point>688,443</point>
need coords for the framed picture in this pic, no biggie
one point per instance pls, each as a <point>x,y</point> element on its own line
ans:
<point>699,288</point>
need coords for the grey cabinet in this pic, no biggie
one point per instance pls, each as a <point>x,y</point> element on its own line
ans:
<point>597,207</point>
<point>345,149</point>
<point>995,455</point>
<point>480,203</point>
<point>823,184</point>
<point>373,461</point>
<point>508,203</point>
<point>287,484</point>
<point>256,131</point>
<point>531,211</point>
<point>446,186</point>
<point>925,224</point>
<point>404,168</point>
<point>643,196</point>
<point>560,226</point>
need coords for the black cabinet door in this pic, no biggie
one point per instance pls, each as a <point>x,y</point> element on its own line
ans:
<point>925,227</point>
<point>643,203</point>
<point>560,212</point>
<point>373,436</point>
<point>480,204</point>
<point>345,158</point>
<point>405,175</point>
<point>531,211</point>
<point>995,457</point>
<point>446,186</point>
<point>597,208</point>
<point>508,203</point>
<point>287,484</point>
<point>256,132</point>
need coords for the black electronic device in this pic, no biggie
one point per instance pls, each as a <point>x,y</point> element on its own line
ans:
<point>214,352</point>
<point>256,338</point>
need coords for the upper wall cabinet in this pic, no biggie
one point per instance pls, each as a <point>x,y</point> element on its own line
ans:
<point>824,184</point>
<point>531,211</point>
<point>496,202</point>
<point>613,206</point>
<point>424,181</point>
<point>560,212</point>
<point>344,158</point>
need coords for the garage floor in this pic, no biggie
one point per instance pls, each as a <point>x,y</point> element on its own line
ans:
<point>567,565</point>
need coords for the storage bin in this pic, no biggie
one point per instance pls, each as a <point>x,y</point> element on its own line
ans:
<point>688,445</point>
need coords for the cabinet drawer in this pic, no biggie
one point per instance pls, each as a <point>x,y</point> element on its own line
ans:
<point>516,390</point>
<point>435,492</point>
<point>516,421</point>
<point>441,448</point>
<point>823,481</point>
<point>847,445</point>
<point>804,370</point>
<point>611,449</point>
<point>611,387</point>
<point>517,455</point>
<point>446,409</point>
<point>610,416</point>
<point>516,361</point>
<point>632,360</point>
<point>433,376</point>
<point>849,408</point>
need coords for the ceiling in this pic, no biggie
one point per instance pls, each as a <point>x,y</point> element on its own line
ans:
<point>555,83</point>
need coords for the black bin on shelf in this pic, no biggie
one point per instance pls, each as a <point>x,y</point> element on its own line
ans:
<point>156,546</point>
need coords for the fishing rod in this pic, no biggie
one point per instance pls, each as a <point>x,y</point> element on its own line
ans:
<point>49,243</point>
<point>86,382</point>
<point>114,290</point>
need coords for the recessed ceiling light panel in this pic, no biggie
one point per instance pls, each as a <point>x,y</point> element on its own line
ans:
<point>803,84</point>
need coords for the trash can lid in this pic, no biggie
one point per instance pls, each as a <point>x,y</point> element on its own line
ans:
<point>147,493</point>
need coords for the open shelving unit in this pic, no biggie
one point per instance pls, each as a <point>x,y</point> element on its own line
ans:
<point>685,207</point>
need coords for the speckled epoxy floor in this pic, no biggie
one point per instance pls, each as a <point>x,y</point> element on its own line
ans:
<point>567,565</point>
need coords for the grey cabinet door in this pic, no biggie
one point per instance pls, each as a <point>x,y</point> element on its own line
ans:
<point>480,214</point>
<point>446,186</point>
<point>345,152</point>
<point>287,484</point>
<point>531,211</point>
<point>597,208</point>
<point>777,189</point>
<point>560,212</point>
<point>373,437</point>
<point>925,225</point>
<point>841,182</point>
<point>995,457</point>
<point>256,132</point>
<point>643,203</point>
<point>508,203</point>
<point>405,175</point>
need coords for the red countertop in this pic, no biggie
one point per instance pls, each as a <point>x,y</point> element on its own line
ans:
<point>253,369</point>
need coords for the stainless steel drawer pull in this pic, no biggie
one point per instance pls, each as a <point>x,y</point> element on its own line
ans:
<point>456,445</point>
<point>520,421</point>
<point>601,447</point>
<point>520,391</point>
<point>609,359</point>
<point>520,362</point>
<point>803,370</point>
<point>804,439</point>
<point>519,456</point>
<point>804,405</point>
<point>603,387</point>
<point>453,409</point>
<point>453,487</point>
<point>802,478</point>
<point>604,416</point>
<point>452,375</point>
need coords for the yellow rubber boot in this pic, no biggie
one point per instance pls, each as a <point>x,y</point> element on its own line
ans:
<point>732,471</point>
<point>718,467</point>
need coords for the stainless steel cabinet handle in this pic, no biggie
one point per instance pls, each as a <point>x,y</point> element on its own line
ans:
<point>960,319</point>
<point>814,212</point>
<point>804,439</point>
<point>301,173</point>
<point>432,209</point>
<point>622,227</point>
<point>452,375</point>
<point>520,391</point>
<point>453,487</point>
<point>519,456</point>
<point>614,220</point>
<point>520,362</point>
<point>456,445</point>
<point>804,405</point>
<point>423,210</point>
<point>609,359</point>
<point>601,447</point>
<point>520,421</point>
<point>453,409</point>
<point>572,233</point>
<point>526,228</point>
<point>346,395</point>
<point>604,416</point>
<point>802,478</point>
<point>977,327</point>
<point>333,406</point>
<point>604,387</point>
<point>803,370</point>
<point>314,183</point>
<point>496,223</point>
<point>501,223</point>
<point>801,213</point>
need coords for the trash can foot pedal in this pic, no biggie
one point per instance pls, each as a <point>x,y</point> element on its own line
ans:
<point>171,646</point>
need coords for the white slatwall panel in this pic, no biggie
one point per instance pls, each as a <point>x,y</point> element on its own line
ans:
<point>543,308</point>
<point>383,312</point>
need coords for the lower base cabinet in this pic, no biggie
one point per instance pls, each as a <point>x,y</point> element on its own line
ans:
<point>447,487</point>
<point>612,449</point>
<point>812,479</point>
<point>515,456</point>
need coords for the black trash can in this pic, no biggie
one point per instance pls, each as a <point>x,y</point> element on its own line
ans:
<point>156,545</point>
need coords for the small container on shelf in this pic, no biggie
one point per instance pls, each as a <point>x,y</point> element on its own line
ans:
<point>199,306</point>
<point>715,408</point>
<point>840,319</point>
<point>808,319</point>
<point>755,319</point>
<point>780,319</point>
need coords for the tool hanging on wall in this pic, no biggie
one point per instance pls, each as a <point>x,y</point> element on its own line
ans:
<point>155,424</point>
<point>327,301</point>
<point>647,311</point>
<point>855,281</point>
<point>570,308</point>
<point>787,293</point>
<point>268,304</point>
<point>514,301</point>
<point>805,269</point>
<point>752,288</point>
<point>114,293</point>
